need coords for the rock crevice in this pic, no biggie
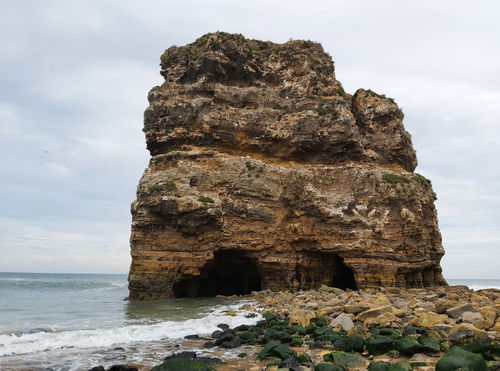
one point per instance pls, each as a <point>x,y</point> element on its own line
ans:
<point>257,151</point>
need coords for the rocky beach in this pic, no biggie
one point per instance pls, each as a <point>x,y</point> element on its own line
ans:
<point>443,328</point>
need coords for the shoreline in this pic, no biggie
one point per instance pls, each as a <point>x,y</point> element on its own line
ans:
<point>412,329</point>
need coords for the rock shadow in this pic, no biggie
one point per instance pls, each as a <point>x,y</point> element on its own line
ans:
<point>231,272</point>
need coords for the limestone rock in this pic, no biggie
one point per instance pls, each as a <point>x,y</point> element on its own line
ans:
<point>489,316</point>
<point>344,321</point>
<point>457,311</point>
<point>266,174</point>
<point>356,307</point>
<point>429,319</point>
<point>442,305</point>
<point>466,332</point>
<point>471,317</point>
<point>374,312</point>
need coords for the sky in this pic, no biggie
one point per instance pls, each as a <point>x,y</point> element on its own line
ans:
<point>74,78</point>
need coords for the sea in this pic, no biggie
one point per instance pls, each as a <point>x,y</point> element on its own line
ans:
<point>79,321</point>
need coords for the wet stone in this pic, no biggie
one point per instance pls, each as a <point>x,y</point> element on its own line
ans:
<point>457,358</point>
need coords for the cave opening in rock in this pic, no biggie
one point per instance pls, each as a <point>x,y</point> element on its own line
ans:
<point>343,277</point>
<point>231,272</point>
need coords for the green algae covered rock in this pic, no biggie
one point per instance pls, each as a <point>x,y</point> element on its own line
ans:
<point>275,349</point>
<point>345,359</point>
<point>350,343</point>
<point>328,367</point>
<point>303,359</point>
<point>459,359</point>
<point>386,331</point>
<point>477,346</point>
<point>429,344</point>
<point>273,334</point>
<point>297,341</point>
<point>408,345</point>
<point>379,344</point>
<point>184,364</point>
<point>379,366</point>
<point>249,336</point>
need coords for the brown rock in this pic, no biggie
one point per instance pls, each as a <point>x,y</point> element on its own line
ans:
<point>265,174</point>
<point>471,317</point>
<point>457,311</point>
<point>489,316</point>
<point>466,331</point>
<point>442,305</point>
<point>374,312</point>
<point>356,308</point>
<point>384,319</point>
<point>301,317</point>
<point>481,301</point>
<point>325,311</point>
<point>496,327</point>
<point>429,319</point>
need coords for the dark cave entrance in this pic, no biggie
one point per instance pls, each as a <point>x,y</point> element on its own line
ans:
<point>231,272</point>
<point>343,277</point>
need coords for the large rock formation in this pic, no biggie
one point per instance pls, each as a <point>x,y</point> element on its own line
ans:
<point>266,174</point>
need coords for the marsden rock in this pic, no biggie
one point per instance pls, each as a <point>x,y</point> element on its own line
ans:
<point>266,174</point>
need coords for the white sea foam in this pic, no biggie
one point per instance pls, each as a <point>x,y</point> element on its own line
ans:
<point>483,287</point>
<point>168,330</point>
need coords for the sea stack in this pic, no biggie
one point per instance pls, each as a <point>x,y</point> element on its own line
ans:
<point>266,174</point>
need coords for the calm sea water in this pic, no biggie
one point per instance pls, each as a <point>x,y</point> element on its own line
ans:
<point>78,321</point>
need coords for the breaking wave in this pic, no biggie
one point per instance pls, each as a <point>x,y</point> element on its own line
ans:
<point>11,344</point>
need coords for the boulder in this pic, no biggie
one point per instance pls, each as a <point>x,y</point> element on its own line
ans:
<point>466,332</point>
<point>471,317</point>
<point>442,305</point>
<point>379,366</point>
<point>457,311</point>
<point>429,319</point>
<point>344,321</point>
<point>385,319</point>
<point>346,360</point>
<point>276,349</point>
<point>457,358</point>
<point>122,368</point>
<point>379,344</point>
<point>429,345</point>
<point>374,312</point>
<point>489,315</point>
<point>408,345</point>
<point>328,367</point>
<point>356,307</point>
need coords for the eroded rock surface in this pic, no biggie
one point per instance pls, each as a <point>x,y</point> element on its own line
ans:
<point>266,174</point>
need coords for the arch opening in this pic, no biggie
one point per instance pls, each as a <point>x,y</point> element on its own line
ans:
<point>231,272</point>
<point>343,277</point>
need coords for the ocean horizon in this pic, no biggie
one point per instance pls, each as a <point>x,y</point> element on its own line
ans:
<point>75,321</point>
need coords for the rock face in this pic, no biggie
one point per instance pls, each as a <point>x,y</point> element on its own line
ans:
<point>266,174</point>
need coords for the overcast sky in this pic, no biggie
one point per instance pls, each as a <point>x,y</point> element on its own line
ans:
<point>74,77</point>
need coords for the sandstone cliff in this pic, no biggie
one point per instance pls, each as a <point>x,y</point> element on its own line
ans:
<point>266,174</point>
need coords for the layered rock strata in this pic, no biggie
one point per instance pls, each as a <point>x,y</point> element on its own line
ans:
<point>266,174</point>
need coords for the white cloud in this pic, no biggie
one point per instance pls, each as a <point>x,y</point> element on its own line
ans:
<point>9,121</point>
